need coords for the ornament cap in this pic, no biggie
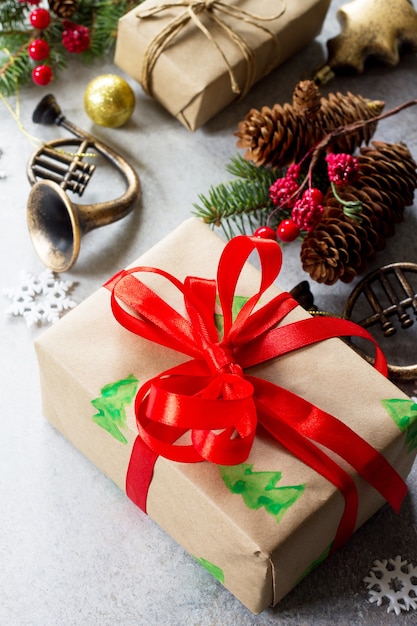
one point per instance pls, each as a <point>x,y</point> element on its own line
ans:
<point>323,75</point>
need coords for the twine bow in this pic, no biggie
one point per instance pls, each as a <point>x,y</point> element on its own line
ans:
<point>214,10</point>
<point>216,402</point>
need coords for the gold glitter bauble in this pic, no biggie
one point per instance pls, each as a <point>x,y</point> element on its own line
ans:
<point>109,100</point>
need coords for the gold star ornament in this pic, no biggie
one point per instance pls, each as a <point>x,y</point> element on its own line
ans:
<point>377,29</point>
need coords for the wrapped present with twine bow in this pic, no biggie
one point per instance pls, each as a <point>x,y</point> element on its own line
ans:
<point>197,56</point>
<point>248,430</point>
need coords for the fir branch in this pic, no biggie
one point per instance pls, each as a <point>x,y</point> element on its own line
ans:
<point>12,15</point>
<point>15,70</point>
<point>99,16</point>
<point>104,24</point>
<point>241,168</point>
<point>241,204</point>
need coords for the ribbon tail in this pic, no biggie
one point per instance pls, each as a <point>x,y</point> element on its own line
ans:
<point>139,473</point>
<point>319,461</point>
<point>367,461</point>
<point>312,422</point>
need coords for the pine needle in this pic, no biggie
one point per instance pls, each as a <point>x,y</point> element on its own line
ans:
<point>239,205</point>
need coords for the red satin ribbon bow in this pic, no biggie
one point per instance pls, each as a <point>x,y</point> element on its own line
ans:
<point>216,402</point>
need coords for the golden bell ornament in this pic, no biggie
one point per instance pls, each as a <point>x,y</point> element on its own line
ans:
<point>371,29</point>
<point>109,100</point>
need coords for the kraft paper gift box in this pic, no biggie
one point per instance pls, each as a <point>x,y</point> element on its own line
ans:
<point>258,526</point>
<point>195,74</point>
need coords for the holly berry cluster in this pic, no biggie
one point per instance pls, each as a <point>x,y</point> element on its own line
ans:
<point>75,38</point>
<point>303,206</point>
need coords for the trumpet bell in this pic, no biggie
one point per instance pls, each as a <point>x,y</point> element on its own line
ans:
<point>54,225</point>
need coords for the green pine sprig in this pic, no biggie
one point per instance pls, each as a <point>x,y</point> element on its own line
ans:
<point>104,24</point>
<point>241,204</point>
<point>12,14</point>
<point>15,71</point>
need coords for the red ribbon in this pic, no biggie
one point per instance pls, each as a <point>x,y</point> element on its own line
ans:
<point>216,403</point>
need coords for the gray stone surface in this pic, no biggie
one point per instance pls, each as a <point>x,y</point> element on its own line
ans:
<point>74,551</point>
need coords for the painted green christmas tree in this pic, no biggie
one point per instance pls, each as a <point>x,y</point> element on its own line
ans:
<point>238,302</point>
<point>111,406</point>
<point>322,557</point>
<point>212,569</point>
<point>404,414</point>
<point>258,489</point>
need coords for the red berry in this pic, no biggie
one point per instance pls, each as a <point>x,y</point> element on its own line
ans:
<point>75,37</point>
<point>42,75</point>
<point>283,191</point>
<point>38,49</point>
<point>287,231</point>
<point>308,210</point>
<point>40,18</point>
<point>265,232</point>
<point>294,170</point>
<point>313,194</point>
<point>342,168</point>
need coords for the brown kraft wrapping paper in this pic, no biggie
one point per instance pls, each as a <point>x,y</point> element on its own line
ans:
<point>259,554</point>
<point>190,76</point>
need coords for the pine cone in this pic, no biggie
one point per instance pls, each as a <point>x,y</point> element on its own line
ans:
<point>284,134</point>
<point>339,247</point>
<point>306,99</point>
<point>63,8</point>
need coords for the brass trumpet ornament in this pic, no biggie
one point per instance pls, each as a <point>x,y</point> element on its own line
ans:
<point>385,301</point>
<point>56,224</point>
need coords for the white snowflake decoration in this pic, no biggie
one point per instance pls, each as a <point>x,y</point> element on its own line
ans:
<point>39,299</point>
<point>394,580</point>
